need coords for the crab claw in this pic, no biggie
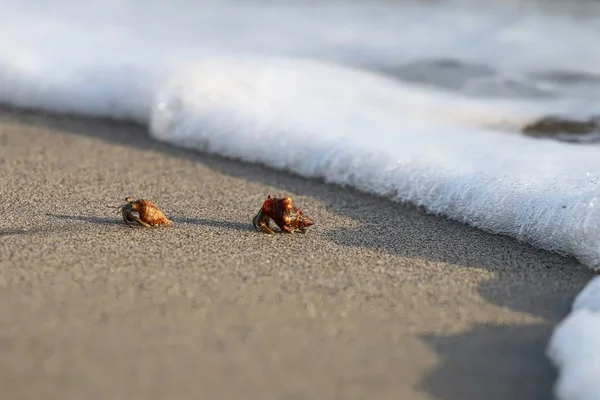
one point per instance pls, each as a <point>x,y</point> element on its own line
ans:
<point>137,219</point>
<point>261,222</point>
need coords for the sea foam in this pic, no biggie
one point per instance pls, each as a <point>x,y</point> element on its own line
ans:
<point>575,347</point>
<point>295,87</point>
<point>444,152</point>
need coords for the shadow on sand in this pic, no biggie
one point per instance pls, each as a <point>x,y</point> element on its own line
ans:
<point>238,226</point>
<point>85,218</point>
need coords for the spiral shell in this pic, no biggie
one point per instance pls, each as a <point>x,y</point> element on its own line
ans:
<point>284,214</point>
<point>274,207</point>
<point>298,220</point>
<point>149,212</point>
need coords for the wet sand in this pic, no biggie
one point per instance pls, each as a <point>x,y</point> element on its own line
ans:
<point>376,301</point>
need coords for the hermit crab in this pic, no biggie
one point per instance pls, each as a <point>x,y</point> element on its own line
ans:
<point>144,212</point>
<point>288,218</point>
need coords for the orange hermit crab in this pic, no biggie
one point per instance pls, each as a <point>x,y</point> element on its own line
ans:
<point>288,218</point>
<point>144,212</point>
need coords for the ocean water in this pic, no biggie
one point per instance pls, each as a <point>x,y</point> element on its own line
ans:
<point>417,101</point>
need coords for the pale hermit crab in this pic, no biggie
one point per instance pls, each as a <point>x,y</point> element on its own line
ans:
<point>143,212</point>
<point>282,212</point>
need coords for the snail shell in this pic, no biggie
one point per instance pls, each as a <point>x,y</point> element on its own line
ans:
<point>150,213</point>
<point>278,209</point>
<point>298,220</point>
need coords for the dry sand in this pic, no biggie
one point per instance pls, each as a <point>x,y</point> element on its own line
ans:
<point>376,301</point>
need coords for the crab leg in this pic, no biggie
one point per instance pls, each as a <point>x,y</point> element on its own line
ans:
<point>138,220</point>
<point>126,219</point>
<point>258,217</point>
<point>261,221</point>
<point>287,229</point>
<point>130,218</point>
<point>264,227</point>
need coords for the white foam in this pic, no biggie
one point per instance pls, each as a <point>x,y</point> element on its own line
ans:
<point>392,140</point>
<point>575,347</point>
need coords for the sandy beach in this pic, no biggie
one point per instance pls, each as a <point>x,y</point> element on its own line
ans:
<point>376,301</point>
